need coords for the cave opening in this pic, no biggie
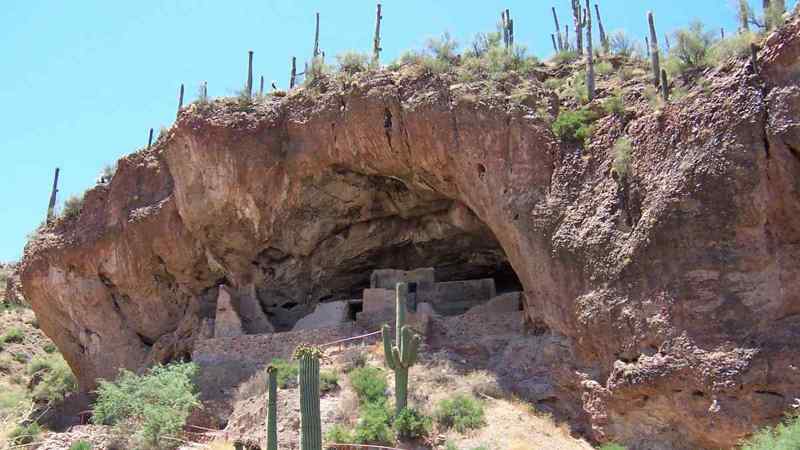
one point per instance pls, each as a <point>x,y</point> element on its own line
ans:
<point>360,224</point>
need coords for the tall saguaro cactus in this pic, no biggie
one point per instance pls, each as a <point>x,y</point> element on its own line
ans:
<point>180,100</point>
<point>603,36</point>
<point>272,408</point>
<point>654,50</point>
<point>589,54</point>
<point>664,85</point>
<point>507,24</point>
<point>316,37</point>
<point>403,354</point>
<point>249,87</point>
<point>559,42</point>
<point>376,41</point>
<point>308,379</point>
<point>51,206</point>
<point>578,20</point>
<point>150,139</point>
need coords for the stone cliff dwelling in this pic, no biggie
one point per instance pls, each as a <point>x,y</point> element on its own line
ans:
<point>243,312</point>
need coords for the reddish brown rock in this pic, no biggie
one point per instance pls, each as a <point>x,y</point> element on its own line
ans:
<point>673,292</point>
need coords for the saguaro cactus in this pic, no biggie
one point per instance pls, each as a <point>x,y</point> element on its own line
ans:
<point>272,408</point>
<point>150,139</point>
<point>589,54</point>
<point>401,356</point>
<point>507,24</point>
<point>180,100</point>
<point>316,37</point>
<point>654,50</point>
<point>664,85</point>
<point>308,378</point>
<point>560,43</point>
<point>249,87</point>
<point>376,41</point>
<point>53,193</point>
<point>578,20</point>
<point>293,76</point>
<point>603,36</point>
<point>555,45</point>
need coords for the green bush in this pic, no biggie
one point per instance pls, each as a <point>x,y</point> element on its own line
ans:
<point>490,57</point>
<point>783,436</point>
<point>155,404</point>
<point>11,399</point>
<point>80,445</point>
<point>373,425</point>
<point>736,46</point>
<point>339,434</point>
<point>460,412</point>
<point>57,381</point>
<point>13,335</point>
<point>612,446</point>
<point>72,206</point>
<point>691,49</point>
<point>573,126</point>
<point>49,348</point>
<point>412,424</point>
<point>614,104</point>
<point>565,56</point>
<point>603,68</point>
<point>370,384</point>
<point>352,62</point>
<point>25,434</point>
<point>287,372</point>
<point>622,44</point>
<point>622,157</point>
<point>328,381</point>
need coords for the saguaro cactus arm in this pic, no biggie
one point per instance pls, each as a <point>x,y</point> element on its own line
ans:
<point>560,46</point>
<point>603,37</point>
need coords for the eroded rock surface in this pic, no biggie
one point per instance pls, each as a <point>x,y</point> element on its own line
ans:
<point>671,295</point>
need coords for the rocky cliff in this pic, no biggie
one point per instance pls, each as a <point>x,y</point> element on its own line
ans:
<point>674,288</point>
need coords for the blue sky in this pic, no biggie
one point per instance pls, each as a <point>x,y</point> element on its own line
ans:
<point>81,82</point>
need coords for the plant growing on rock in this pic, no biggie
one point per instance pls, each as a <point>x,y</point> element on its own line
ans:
<point>622,158</point>
<point>574,126</point>
<point>403,354</point>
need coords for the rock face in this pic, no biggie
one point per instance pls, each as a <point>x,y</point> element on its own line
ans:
<point>674,290</point>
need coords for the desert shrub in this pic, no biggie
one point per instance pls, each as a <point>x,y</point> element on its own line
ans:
<point>72,206</point>
<point>622,157</point>
<point>622,44</point>
<point>20,357</point>
<point>316,71</point>
<point>80,445</point>
<point>460,412</point>
<point>370,384</point>
<point>353,62</point>
<point>564,56</point>
<point>785,435</point>
<point>49,348</point>
<point>554,83</point>
<point>339,434</point>
<point>155,405</point>
<point>108,172</point>
<point>353,358</point>
<point>736,46</point>
<point>575,87</point>
<point>11,398</point>
<point>328,381</point>
<point>25,434</point>
<point>653,96</point>
<point>13,335</point>
<point>614,104</point>
<point>373,425</point>
<point>492,58</point>
<point>691,49</point>
<point>573,126</point>
<point>220,444</point>
<point>57,380</point>
<point>603,68</point>
<point>287,372</point>
<point>443,48</point>
<point>412,424</point>
<point>612,446</point>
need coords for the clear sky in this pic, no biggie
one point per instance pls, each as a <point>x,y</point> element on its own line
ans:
<point>82,81</point>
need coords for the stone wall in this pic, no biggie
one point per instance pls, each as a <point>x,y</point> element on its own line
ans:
<point>226,362</point>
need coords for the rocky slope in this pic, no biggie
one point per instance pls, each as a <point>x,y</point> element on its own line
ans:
<point>674,289</point>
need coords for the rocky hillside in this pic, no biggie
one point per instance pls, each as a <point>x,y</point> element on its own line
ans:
<point>660,254</point>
